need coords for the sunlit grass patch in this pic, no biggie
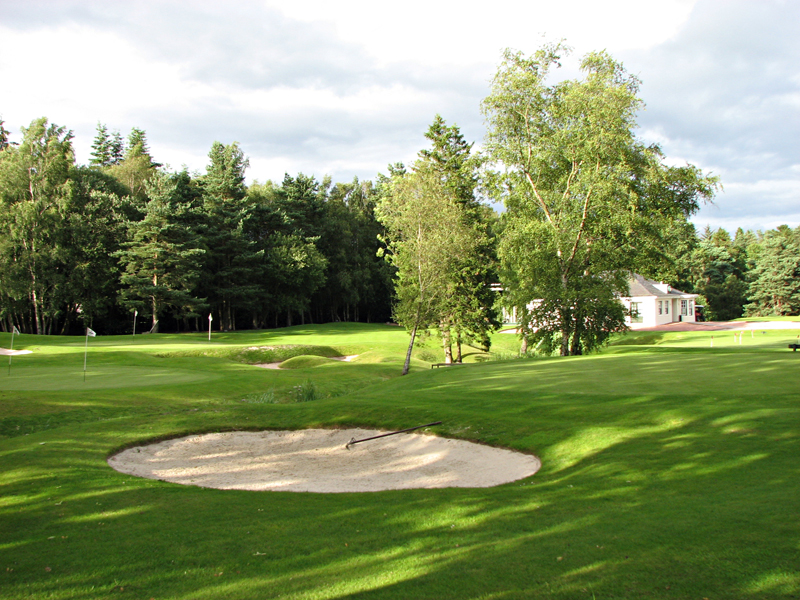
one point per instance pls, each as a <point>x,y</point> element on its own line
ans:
<point>669,471</point>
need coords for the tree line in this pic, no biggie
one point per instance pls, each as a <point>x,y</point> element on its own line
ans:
<point>93,245</point>
<point>752,274</point>
<point>586,204</point>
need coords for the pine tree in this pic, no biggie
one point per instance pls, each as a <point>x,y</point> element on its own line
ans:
<point>137,166</point>
<point>101,148</point>
<point>775,289</point>
<point>116,148</point>
<point>161,260</point>
<point>233,264</point>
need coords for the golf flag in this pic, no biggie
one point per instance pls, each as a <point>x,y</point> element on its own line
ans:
<point>210,318</point>
<point>14,331</point>
<point>89,333</point>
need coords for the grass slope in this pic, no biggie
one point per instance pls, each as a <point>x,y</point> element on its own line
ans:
<point>669,471</point>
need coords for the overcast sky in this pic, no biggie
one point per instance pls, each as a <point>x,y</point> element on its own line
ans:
<point>345,87</point>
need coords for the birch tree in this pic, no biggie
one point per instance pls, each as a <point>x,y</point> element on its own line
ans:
<point>33,186</point>
<point>425,235</point>
<point>587,203</point>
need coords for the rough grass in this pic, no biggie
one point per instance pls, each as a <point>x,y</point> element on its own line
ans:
<point>669,471</point>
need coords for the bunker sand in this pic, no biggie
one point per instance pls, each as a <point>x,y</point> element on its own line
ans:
<point>316,460</point>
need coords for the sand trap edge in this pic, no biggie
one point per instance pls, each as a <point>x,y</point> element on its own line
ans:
<point>316,460</point>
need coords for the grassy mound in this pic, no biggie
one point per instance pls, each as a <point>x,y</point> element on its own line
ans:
<point>306,361</point>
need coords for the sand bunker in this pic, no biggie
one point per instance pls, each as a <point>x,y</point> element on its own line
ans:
<point>7,352</point>
<point>316,460</point>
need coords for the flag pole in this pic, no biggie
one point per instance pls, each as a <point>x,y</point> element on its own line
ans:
<point>85,351</point>
<point>13,331</point>
<point>210,318</point>
<point>135,314</point>
<point>89,333</point>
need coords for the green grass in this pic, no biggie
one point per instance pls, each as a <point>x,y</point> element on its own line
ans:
<point>669,470</point>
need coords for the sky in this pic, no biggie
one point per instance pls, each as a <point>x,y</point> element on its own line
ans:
<point>344,88</point>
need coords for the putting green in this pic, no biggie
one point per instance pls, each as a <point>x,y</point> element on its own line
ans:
<point>56,378</point>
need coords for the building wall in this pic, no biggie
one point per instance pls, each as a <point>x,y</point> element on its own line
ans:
<point>649,311</point>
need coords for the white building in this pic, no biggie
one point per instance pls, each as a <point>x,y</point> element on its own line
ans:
<point>651,302</point>
<point>654,303</point>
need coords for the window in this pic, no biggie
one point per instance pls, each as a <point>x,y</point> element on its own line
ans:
<point>684,307</point>
<point>660,307</point>
<point>691,306</point>
<point>666,307</point>
<point>636,312</point>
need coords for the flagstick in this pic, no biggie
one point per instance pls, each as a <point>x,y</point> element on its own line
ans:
<point>13,329</point>
<point>210,318</point>
<point>135,314</point>
<point>85,350</point>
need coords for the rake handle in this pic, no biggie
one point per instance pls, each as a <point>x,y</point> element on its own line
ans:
<point>354,441</point>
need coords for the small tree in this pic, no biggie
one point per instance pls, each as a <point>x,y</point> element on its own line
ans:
<point>471,315</point>
<point>424,235</point>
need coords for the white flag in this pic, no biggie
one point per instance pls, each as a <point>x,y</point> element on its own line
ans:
<point>15,330</point>
<point>210,318</point>
<point>135,313</point>
<point>89,332</point>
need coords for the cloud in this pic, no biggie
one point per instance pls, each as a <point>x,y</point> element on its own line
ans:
<point>285,89</point>
<point>724,94</point>
<point>344,88</point>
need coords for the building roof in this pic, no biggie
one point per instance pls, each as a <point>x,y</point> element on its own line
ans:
<point>641,286</point>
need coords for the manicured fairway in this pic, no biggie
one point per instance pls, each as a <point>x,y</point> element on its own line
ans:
<point>669,470</point>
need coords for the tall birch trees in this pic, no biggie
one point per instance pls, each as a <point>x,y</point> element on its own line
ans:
<point>587,203</point>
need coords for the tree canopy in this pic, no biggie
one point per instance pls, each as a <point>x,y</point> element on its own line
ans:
<point>587,203</point>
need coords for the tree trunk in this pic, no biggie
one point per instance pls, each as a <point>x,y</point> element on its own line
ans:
<point>458,347</point>
<point>576,349</point>
<point>154,326</point>
<point>447,343</point>
<point>35,301</point>
<point>407,363</point>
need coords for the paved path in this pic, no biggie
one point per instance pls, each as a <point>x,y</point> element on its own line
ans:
<point>725,326</point>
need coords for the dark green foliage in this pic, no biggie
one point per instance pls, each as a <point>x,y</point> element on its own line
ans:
<point>33,196</point>
<point>4,141</point>
<point>775,287</point>
<point>161,261</point>
<point>232,266</point>
<point>101,148</point>
<point>470,315</point>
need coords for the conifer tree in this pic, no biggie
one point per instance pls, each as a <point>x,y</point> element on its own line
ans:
<point>233,263</point>
<point>116,148</point>
<point>101,148</point>
<point>161,260</point>
<point>775,289</point>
